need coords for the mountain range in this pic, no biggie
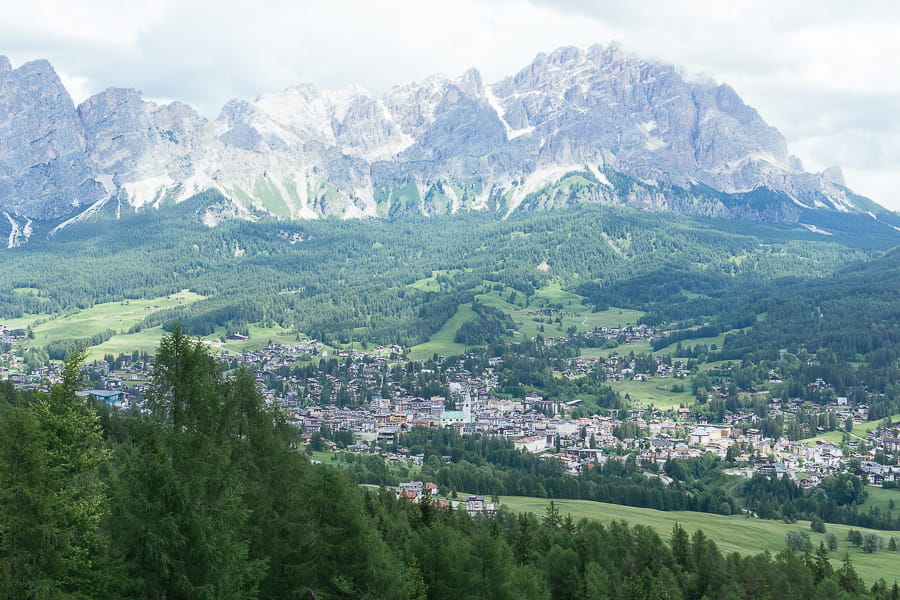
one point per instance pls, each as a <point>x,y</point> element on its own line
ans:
<point>574,126</point>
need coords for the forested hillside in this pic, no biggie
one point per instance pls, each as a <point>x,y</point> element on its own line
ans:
<point>343,281</point>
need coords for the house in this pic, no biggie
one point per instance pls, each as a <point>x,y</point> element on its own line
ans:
<point>416,490</point>
<point>475,505</point>
<point>891,444</point>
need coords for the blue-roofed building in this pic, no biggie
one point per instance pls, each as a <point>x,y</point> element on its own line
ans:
<point>115,398</point>
<point>453,417</point>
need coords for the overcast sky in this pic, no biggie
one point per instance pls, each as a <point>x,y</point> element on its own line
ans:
<point>823,72</point>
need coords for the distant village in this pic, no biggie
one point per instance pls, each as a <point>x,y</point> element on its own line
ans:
<point>533,423</point>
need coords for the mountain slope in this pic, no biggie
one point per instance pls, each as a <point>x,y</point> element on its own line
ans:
<point>574,126</point>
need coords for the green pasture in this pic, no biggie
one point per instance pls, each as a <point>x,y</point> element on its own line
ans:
<point>23,322</point>
<point>529,326</point>
<point>118,316</point>
<point>146,340</point>
<point>656,391</point>
<point>639,347</point>
<point>442,343</point>
<point>430,284</point>
<point>881,498</point>
<point>859,431</point>
<point>574,313</point>
<point>733,533</point>
<point>709,341</point>
<point>258,338</point>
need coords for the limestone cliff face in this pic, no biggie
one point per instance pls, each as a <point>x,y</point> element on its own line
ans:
<point>45,171</point>
<point>574,126</point>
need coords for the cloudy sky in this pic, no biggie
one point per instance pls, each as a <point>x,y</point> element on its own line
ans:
<point>824,72</point>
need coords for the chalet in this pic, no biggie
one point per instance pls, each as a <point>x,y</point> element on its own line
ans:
<point>475,505</point>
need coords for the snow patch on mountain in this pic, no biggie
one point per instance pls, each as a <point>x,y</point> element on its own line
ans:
<point>815,229</point>
<point>537,180</point>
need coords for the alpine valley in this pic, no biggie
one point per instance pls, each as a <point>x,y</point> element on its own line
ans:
<point>596,287</point>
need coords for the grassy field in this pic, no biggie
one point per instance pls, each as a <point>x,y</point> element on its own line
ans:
<point>574,313</point>
<point>881,499</point>
<point>640,347</point>
<point>657,392</point>
<point>709,341</point>
<point>731,533</point>
<point>21,322</point>
<point>259,337</point>
<point>118,316</point>
<point>146,340</point>
<point>430,284</point>
<point>441,343</point>
<point>858,431</point>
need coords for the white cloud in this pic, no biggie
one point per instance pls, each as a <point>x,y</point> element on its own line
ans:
<point>823,72</point>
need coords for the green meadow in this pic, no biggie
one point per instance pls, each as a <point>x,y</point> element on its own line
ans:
<point>859,431</point>
<point>118,316</point>
<point>656,391</point>
<point>573,314</point>
<point>733,533</point>
<point>443,342</point>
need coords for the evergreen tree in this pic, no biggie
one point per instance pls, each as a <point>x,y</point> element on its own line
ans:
<point>189,484</point>
<point>52,497</point>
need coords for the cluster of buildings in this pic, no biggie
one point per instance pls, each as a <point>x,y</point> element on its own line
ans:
<point>10,336</point>
<point>377,408</point>
<point>418,492</point>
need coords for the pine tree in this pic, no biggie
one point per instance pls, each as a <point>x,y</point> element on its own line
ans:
<point>822,567</point>
<point>52,499</point>
<point>181,513</point>
<point>552,518</point>
<point>847,577</point>
<point>681,547</point>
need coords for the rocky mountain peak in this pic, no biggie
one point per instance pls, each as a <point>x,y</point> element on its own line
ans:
<point>472,83</point>
<point>44,170</point>
<point>834,175</point>
<point>439,145</point>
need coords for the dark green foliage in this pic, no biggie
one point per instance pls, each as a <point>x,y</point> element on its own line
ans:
<point>181,518</point>
<point>489,327</point>
<point>872,542</point>
<point>817,524</point>
<point>798,541</point>
<point>835,500</point>
<point>52,497</point>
